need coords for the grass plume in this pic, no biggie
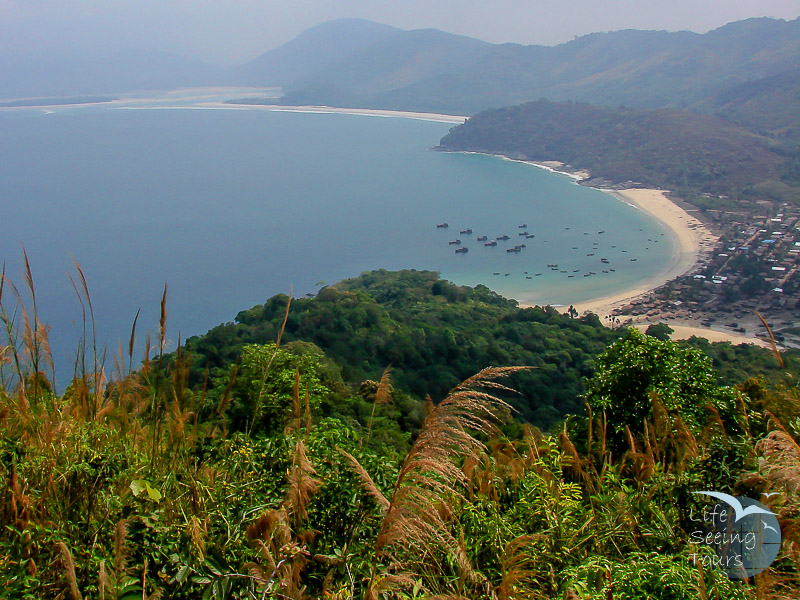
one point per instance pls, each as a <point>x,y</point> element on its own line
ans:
<point>417,519</point>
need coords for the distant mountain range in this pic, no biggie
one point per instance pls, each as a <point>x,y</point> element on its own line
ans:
<point>626,105</point>
<point>354,62</point>
<point>436,71</point>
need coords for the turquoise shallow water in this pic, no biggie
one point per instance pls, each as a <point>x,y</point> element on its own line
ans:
<point>232,206</point>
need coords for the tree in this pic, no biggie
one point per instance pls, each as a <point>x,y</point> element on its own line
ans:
<point>269,378</point>
<point>638,368</point>
<point>660,331</point>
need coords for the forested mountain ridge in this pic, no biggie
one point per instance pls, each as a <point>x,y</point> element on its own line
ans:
<point>311,51</point>
<point>431,332</point>
<point>769,106</point>
<point>644,69</point>
<point>683,151</point>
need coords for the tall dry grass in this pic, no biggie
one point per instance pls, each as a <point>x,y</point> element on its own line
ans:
<point>416,532</point>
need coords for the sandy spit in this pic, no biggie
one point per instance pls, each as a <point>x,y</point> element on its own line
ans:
<point>367,112</point>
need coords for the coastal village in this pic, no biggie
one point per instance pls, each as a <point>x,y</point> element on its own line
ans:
<point>751,270</point>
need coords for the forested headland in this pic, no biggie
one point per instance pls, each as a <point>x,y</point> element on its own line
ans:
<point>396,436</point>
<point>699,157</point>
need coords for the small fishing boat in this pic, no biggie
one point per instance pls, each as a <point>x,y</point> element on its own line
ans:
<point>492,243</point>
<point>462,250</point>
<point>467,230</point>
<point>502,237</point>
<point>442,226</point>
<point>523,226</point>
<point>482,238</point>
<point>455,242</point>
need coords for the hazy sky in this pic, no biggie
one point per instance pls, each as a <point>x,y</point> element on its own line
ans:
<point>238,30</point>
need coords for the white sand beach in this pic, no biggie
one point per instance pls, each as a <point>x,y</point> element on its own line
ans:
<point>692,238</point>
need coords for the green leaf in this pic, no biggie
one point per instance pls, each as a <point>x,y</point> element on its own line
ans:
<point>138,486</point>
<point>141,485</point>
<point>183,573</point>
<point>213,567</point>
<point>153,493</point>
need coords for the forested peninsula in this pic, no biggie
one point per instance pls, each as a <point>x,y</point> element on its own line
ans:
<point>699,157</point>
<point>396,436</point>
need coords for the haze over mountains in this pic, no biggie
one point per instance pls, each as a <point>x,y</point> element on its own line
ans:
<point>435,71</point>
<point>361,63</point>
<point>80,73</point>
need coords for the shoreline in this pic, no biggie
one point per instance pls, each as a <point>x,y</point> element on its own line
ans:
<point>692,239</point>
<point>693,242</point>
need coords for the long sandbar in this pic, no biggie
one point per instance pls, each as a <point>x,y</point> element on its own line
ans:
<point>366,112</point>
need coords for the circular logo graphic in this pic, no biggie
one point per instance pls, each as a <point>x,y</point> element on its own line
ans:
<point>744,534</point>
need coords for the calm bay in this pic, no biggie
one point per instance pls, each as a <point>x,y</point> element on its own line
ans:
<point>229,207</point>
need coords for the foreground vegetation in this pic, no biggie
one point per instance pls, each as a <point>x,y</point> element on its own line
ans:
<point>273,477</point>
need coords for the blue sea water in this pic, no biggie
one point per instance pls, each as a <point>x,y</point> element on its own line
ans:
<point>229,207</point>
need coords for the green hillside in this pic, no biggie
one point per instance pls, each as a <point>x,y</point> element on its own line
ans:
<point>770,106</point>
<point>682,151</point>
<point>434,334</point>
